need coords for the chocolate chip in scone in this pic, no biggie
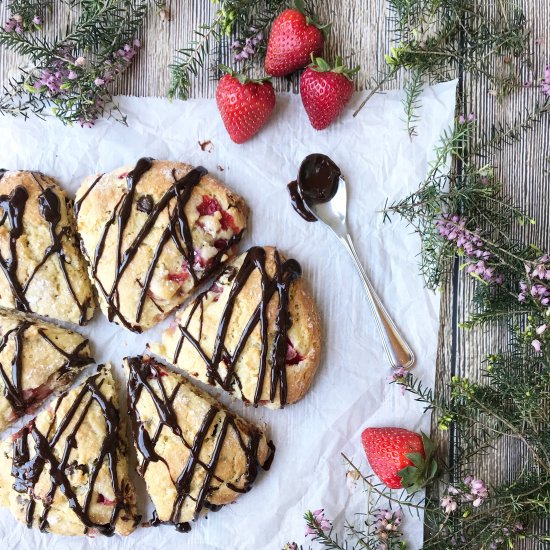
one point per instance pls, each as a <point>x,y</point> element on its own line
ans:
<point>145,204</point>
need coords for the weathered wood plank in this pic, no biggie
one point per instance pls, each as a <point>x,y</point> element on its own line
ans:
<point>523,169</point>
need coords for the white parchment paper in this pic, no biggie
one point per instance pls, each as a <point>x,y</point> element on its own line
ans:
<point>351,390</point>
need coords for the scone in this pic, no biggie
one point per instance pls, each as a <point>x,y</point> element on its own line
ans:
<point>256,332</point>
<point>41,268</point>
<point>66,472</point>
<point>36,359</point>
<point>192,452</point>
<point>151,232</point>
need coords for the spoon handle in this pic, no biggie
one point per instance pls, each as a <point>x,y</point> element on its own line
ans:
<point>397,350</point>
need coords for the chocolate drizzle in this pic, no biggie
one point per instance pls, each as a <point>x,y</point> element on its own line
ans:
<point>285,274</point>
<point>177,230</point>
<point>298,202</point>
<point>49,205</point>
<point>145,375</point>
<point>27,467</point>
<point>13,390</point>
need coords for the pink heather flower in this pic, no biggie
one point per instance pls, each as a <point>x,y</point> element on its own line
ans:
<point>99,81</point>
<point>537,345</point>
<point>80,61</point>
<point>247,49</point>
<point>471,490</point>
<point>540,330</point>
<point>387,524</point>
<point>18,18</point>
<point>461,119</point>
<point>546,81</point>
<point>321,522</point>
<point>449,504</point>
<point>537,287</point>
<point>399,375</point>
<point>453,229</point>
<point>471,117</point>
<point>37,20</point>
<point>72,75</point>
<point>478,491</point>
<point>9,25</point>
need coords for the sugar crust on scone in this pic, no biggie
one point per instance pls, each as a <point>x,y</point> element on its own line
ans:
<point>193,453</point>
<point>66,472</point>
<point>218,338</point>
<point>41,268</point>
<point>36,359</point>
<point>151,232</point>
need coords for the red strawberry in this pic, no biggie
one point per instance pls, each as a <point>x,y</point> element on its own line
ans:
<point>325,91</point>
<point>400,458</point>
<point>293,39</point>
<point>245,105</point>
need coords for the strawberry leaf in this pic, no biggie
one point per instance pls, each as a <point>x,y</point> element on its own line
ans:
<point>300,6</point>
<point>423,469</point>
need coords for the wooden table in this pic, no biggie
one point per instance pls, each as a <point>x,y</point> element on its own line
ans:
<point>361,33</point>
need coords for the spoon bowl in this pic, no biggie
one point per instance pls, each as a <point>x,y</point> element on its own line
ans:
<point>323,190</point>
<point>334,212</point>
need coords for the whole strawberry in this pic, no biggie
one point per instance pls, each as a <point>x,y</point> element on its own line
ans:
<point>400,458</point>
<point>245,105</point>
<point>325,91</point>
<point>293,39</point>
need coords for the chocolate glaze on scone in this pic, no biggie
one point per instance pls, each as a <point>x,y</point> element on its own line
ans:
<point>193,453</point>
<point>36,359</point>
<point>41,268</point>
<point>256,332</point>
<point>66,472</point>
<point>151,232</point>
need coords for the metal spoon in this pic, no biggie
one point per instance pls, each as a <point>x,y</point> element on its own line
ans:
<point>323,190</point>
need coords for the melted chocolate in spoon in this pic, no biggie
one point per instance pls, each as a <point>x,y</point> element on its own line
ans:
<point>317,183</point>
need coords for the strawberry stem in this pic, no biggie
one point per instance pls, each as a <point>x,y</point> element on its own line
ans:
<point>243,78</point>
<point>319,65</point>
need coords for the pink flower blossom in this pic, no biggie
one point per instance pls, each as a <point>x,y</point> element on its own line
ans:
<point>37,20</point>
<point>537,345</point>
<point>470,490</point>
<point>320,521</point>
<point>546,81</point>
<point>399,375</point>
<point>453,228</point>
<point>449,504</point>
<point>246,49</point>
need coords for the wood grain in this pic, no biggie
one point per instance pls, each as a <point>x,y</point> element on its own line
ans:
<point>360,32</point>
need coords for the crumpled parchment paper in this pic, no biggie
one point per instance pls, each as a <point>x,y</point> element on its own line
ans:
<point>351,390</point>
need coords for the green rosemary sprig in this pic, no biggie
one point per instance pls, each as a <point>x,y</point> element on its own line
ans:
<point>71,74</point>
<point>234,23</point>
<point>411,102</point>
<point>434,39</point>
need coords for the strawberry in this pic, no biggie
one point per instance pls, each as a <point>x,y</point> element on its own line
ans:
<point>325,91</point>
<point>245,105</point>
<point>293,39</point>
<point>400,458</point>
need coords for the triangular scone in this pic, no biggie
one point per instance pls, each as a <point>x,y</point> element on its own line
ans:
<point>66,472</point>
<point>36,359</point>
<point>192,452</point>
<point>151,232</point>
<point>256,332</point>
<point>41,267</point>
